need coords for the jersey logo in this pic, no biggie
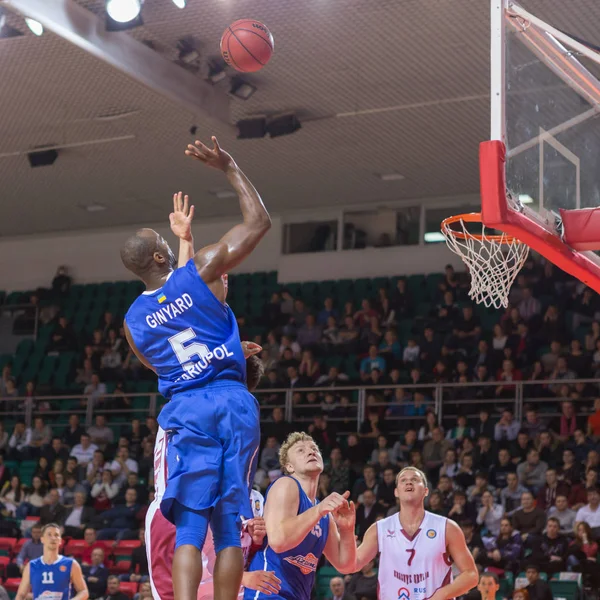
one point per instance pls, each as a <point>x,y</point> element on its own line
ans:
<point>162,298</point>
<point>391,533</point>
<point>403,594</point>
<point>431,533</point>
<point>63,568</point>
<point>307,564</point>
<point>257,505</point>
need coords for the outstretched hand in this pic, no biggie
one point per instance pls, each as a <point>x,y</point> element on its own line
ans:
<point>250,349</point>
<point>181,217</point>
<point>345,516</point>
<point>215,157</point>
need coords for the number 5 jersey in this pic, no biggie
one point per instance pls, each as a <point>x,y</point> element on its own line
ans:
<point>186,333</point>
<point>412,568</point>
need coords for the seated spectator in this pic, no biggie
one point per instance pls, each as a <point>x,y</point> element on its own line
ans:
<point>583,551</point>
<point>367,512</point>
<point>450,466</point>
<point>372,361</point>
<point>590,513</point>
<point>11,496</point>
<point>96,574</point>
<point>484,454</point>
<point>571,470</point>
<point>269,456</point>
<point>104,491</point>
<point>467,329</point>
<point>113,589</point>
<point>529,520</point>
<point>33,500</point>
<point>63,338</point>
<point>363,584</point>
<point>472,538</point>
<point>475,492</point>
<point>101,435</point>
<point>465,477</point>
<point>91,543</point>
<point>549,449</point>
<point>73,432</point>
<point>460,431</point>
<point>122,466</point>
<point>78,517</point>
<point>537,589</point>
<point>502,467</point>
<point>426,430</point>
<point>139,561</point>
<point>532,473</point>
<point>507,428</point>
<point>593,421</point>
<point>490,514</point>
<point>506,375</point>
<point>579,445</point>
<point>31,549</point>
<point>386,497</point>
<point>565,515</point>
<point>505,551</point>
<point>119,522</point>
<point>338,590</point>
<point>338,471</point>
<point>433,453</point>
<point>95,391</point>
<point>96,468</point>
<point>520,448</point>
<point>309,367</point>
<point>546,497</point>
<point>70,490</point>
<point>367,482</point>
<point>53,511</point>
<point>19,442</point>
<point>145,592</point>
<point>461,510</point>
<point>551,553</point>
<point>84,451</point>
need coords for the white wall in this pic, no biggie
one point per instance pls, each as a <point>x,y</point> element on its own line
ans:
<point>93,256</point>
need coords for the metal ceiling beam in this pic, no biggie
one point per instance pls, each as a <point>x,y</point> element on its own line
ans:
<point>82,28</point>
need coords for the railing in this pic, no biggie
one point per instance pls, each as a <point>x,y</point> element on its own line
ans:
<point>447,400</point>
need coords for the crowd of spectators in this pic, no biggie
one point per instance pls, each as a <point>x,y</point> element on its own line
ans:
<point>524,492</point>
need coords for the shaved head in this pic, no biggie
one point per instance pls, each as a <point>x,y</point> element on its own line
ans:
<point>146,251</point>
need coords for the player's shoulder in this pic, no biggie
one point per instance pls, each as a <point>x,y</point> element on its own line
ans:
<point>284,487</point>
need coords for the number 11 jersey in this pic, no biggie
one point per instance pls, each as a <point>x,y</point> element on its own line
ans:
<point>51,581</point>
<point>412,568</point>
<point>186,333</point>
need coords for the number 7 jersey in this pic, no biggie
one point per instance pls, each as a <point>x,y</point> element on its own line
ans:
<point>412,568</point>
<point>186,333</point>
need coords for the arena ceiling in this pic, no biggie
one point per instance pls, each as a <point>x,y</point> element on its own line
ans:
<point>380,86</point>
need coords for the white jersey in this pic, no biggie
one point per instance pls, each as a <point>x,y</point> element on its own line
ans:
<point>412,568</point>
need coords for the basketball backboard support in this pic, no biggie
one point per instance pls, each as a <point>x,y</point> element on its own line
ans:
<point>542,157</point>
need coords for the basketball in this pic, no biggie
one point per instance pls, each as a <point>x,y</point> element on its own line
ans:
<point>247,45</point>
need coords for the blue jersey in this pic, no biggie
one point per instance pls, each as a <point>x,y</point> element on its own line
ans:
<point>186,333</point>
<point>297,567</point>
<point>51,582</point>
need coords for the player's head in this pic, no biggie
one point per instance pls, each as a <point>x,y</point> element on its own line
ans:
<point>488,585</point>
<point>146,254</point>
<point>255,369</point>
<point>51,536</point>
<point>411,486</point>
<point>300,455</point>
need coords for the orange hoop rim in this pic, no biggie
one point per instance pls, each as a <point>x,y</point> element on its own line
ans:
<point>474,218</point>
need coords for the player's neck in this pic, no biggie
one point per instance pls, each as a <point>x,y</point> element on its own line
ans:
<point>411,516</point>
<point>50,556</point>
<point>309,485</point>
<point>156,280</point>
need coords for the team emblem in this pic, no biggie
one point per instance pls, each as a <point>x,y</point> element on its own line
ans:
<point>403,594</point>
<point>162,298</point>
<point>63,568</point>
<point>257,505</point>
<point>431,533</point>
<point>307,564</point>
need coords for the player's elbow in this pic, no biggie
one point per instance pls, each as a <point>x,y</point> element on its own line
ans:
<point>278,544</point>
<point>473,578</point>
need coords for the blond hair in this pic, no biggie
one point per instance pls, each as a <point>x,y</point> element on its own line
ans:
<point>292,439</point>
<point>418,471</point>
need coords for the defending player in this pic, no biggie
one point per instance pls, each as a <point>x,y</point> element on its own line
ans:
<point>417,548</point>
<point>300,529</point>
<point>183,330</point>
<point>52,575</point>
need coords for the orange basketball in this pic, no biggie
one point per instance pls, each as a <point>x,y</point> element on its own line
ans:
<point>247,45</point>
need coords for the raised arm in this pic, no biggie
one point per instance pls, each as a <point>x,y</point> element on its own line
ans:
<point>181,225</point>
<point>369,548</point>
<point>24,585</point>
<point>285,527</point>
<point>213,261</point>
<point>463,559</point>
<point>79,582</point>
<point>134,349</point>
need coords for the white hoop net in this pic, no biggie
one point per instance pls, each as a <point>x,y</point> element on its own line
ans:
<point>493,262</point>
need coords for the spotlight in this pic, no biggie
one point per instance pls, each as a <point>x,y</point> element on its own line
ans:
<point>241,89</point>
<point>179,3</point>
<point>283,125</point>
<point>36,27</point>
<point>6,31</point>
<point>188,53</point>
<point>252,128</point>
<point>123,11</point>
<point>216,71</point>
<point>42,158</point>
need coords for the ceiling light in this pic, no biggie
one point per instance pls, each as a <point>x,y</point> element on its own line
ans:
<point>6,31</point>
<point>95,208</point>
<point>434,236</point>
<point>241,89</point>
<point>123,11</point>
<point>391,177</point>
<point>525,199</point>
<point>35,26</point>
<point>179,3</point>
<point>216,71</point>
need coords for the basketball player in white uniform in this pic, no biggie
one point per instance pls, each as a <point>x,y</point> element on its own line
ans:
<point>417,548</point>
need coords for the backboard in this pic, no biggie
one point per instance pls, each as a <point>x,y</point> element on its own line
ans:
<point>544,149</point>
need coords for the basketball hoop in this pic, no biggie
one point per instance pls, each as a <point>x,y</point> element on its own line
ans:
<point>493,260</point>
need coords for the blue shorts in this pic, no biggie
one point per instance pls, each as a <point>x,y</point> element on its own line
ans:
<point>213,440</point>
